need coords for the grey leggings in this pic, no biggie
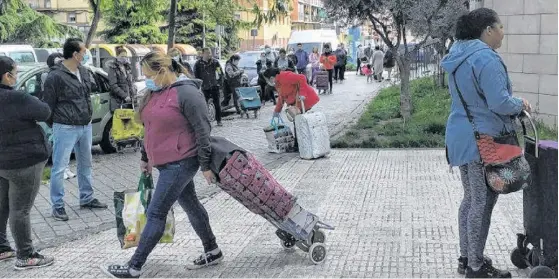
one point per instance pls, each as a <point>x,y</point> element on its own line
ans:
<point>475,213</point>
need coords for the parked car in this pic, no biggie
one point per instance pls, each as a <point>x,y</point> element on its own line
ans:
<point>248,63</point>
<point>19,53</point>
<point>29,80</point>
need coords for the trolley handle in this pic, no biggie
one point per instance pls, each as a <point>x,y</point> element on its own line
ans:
<point>526,117</point>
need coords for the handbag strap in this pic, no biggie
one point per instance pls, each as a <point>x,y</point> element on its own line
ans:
<point>462,100</point>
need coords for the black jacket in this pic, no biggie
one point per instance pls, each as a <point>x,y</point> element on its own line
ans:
<point>206,71</point>
<point>222,149</point>
<point>121,81</point>
<point>23,142</point>
<point>68,98</point>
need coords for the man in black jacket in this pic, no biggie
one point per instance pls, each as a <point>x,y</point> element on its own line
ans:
<point>209,71</point>
<point>67,92</point>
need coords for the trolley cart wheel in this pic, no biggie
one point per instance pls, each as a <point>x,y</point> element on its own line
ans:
<point>317,253</point>
<point>518,258</point>
<point>288,244</point>
<point>542,271</point>
<point>318,236</point>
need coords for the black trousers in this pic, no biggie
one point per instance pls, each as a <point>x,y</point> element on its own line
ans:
<point>330,76</point>
<point>213,93</point>
<point>339,72</point>
<point>228,91</point>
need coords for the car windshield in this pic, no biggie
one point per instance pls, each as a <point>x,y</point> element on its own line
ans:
<point>306,47</point>
<point>248,59</point>
<point>22,57</point>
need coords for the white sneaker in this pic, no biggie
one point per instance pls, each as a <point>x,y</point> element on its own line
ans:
<point>68,174</point>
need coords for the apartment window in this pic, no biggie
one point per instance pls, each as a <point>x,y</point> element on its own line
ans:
<point>47,4</point>
<point>301,11</point>
<point>71,17</point>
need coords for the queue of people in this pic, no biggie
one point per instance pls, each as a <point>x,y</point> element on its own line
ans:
<point>177,139</point>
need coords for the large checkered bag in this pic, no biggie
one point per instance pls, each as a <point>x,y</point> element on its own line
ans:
<point>245,179</point>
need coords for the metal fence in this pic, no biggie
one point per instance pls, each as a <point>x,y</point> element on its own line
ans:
<point>424,62</point>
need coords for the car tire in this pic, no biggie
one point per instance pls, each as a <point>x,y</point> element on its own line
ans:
<point>105,143</point>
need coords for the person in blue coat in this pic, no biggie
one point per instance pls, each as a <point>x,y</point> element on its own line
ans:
<point>482,78</point>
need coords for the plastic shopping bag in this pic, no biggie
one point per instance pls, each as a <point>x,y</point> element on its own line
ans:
<point>279,136</point>
<point>131,214</point>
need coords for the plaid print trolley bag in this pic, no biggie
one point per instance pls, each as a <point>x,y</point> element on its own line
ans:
<point>245,179</point>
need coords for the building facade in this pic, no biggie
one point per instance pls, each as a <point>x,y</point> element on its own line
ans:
<point>308,15</point>
<point>530,51</point>
<point>70,12</point>
<point>272,34</point>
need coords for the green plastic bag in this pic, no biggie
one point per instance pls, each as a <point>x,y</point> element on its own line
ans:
<point>131,210</point>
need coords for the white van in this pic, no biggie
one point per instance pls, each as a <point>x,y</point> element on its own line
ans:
<point>313,38</point>
<point>310,39</point>
<point>20,53</point>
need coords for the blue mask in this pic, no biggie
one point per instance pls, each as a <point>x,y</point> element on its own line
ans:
<point>150,84</point>
<point>84,59</point>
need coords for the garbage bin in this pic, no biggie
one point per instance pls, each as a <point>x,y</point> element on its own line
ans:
<point>138,52</point>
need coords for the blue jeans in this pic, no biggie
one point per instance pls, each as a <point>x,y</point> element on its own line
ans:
<point>65,139</point>
<point>175,183</point>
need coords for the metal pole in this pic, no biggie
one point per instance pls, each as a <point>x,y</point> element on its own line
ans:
<point>204,29</point>
<point>219,55</point>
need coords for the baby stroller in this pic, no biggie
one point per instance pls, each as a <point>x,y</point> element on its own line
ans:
<point>126,132</point>
<point>540,209</point>
<point>245,179</point>
<point>249,100</point>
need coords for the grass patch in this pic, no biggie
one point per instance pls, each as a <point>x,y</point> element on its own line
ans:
<point>46,174</point>
<point>381,125</point>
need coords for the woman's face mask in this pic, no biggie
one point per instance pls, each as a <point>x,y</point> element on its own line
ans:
<point>177,58</point>
<point>151,85</point>
<point>235,62</point>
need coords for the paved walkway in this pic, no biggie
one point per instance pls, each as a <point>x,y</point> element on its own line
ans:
<point>395,213</point>
<point>116,172</point>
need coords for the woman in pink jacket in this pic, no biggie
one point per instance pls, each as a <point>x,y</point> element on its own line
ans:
<point>314,59</point>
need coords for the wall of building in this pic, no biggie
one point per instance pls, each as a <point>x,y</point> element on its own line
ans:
<point>530,51</point>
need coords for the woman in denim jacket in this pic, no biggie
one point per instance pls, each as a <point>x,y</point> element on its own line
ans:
<point>483,81</point>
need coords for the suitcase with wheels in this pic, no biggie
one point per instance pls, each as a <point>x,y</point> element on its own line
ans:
<point>540,209</point>
<point>322,83</point>
<point>313,138</point>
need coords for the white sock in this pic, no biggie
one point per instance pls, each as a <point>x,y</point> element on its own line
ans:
<point>214,251</point>
<point>133,272</point>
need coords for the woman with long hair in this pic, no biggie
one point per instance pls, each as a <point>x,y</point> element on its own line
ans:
<point>314,59</point>
<point>478,83</point>
<point>177,143</point>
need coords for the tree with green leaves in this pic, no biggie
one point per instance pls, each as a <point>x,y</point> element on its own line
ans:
<point>134,21</point>
<point>22,25</point>
<point>396,17</point>
<point>196,22</point>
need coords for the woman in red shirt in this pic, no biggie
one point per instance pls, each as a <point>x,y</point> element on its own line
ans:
<point>328,60</point>
<point>293,90</point>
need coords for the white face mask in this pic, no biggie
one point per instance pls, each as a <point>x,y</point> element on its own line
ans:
<point>235,62</point>
<point>177,58</point>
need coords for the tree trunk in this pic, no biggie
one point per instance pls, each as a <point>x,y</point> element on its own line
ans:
<point>172,24</point>
<point>440,77</point>
<point>96,17</point>
<point>405,94</point>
